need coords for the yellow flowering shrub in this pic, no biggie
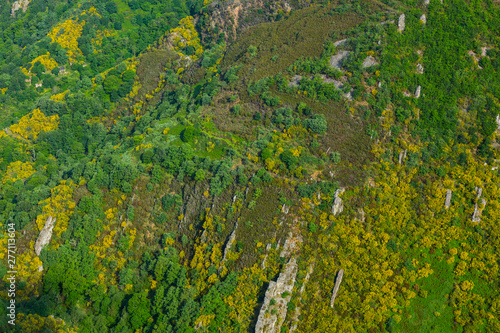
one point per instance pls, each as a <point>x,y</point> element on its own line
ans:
<point>59,97</point>
<point>59,205</point>
<point>46,61</point>
<point>34,123</point>
<point>18,170</point>
<point>66,35</point>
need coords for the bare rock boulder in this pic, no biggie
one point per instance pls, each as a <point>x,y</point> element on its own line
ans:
<point>295,81</point>
<point>337,60</point>
<point>45,235</point>
<point>338,205</point>
<point>401,23</point>
<point>417,92</point>
<point>338,281</point>
<point>369,62</point>
<point>272,316</point>
<point>420,69</point>
<point>19,4</point>
<point>447,200</point>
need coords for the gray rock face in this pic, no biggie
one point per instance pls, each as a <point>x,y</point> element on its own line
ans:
<point>423,18</point>
<point>402,156</point>
<point>401,23</point>
<point>338,206</point>
<point>387,22</point>
<point>361,214</point>
<point>348,95</point>
<point>269,322</point>
<point>338,84</point>
<point>420,69</point>
<point>340,42</point>
<point>45,235</point>
<point>476,216</point>
<point>291,245</point>
<point>295,81</point>
<point>369,62</point>
<point>447,200</point>
<point>230,241</point>
<point>337,60</point>
<point>338,280</point>
<point>498,122</point>
<point>19,4</point>
<point>417,92</point>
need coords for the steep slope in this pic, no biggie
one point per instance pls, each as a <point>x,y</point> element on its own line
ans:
<point>213,166</point>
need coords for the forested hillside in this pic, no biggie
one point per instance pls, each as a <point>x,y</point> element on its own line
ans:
<point>250,166</point>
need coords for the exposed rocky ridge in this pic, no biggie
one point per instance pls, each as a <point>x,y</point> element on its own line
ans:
<point>19,4</point>
<point>233,17</point>
<point>401,23</point>
<point>338,281</point>
<point>291,244</point>
<point>423,18</point>
<point>447,201</point>
<point>45,235</point>
<point>337,60</point>
<point>417,92</point>
<point>338,206</point>
<point>230,241</point>
<point>476,216</point>
<point>369,62</point>
<point>270,321</point>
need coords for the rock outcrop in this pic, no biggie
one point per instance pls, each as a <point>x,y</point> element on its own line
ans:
<point>272,316</point>
<point>476,216</point>
<point>423,18</point>
<point>447,200</point>
<point>420,69</point>
<point>401,23</point>
<point>338,84</point>
<point>417,92</point>
<point>348,95</point>
<point>498,122</point>
<point>19,4</point>
<point>295,81</point>
<point>45,235</point>
<point>338,205</point>
<point>402,156</point>
<point>230,241</point>
<point>291,245</point>
<point>338,280</point>
<point>337,60</point>
<point>340,42</point>
<point>369,62</point>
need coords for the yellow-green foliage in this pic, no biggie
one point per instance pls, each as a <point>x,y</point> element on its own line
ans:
<point>101,34</point>
<point>48,62</point>
<point>66,35</point>
<point>34,123</point>
<point>203,258</point>
<point>59,97</point>
<point>411,218</point>
<point>59,205</point>
<point>185,35</point>
<point>18,170</point>
<point>36,323</point>
<point>28,265</point>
